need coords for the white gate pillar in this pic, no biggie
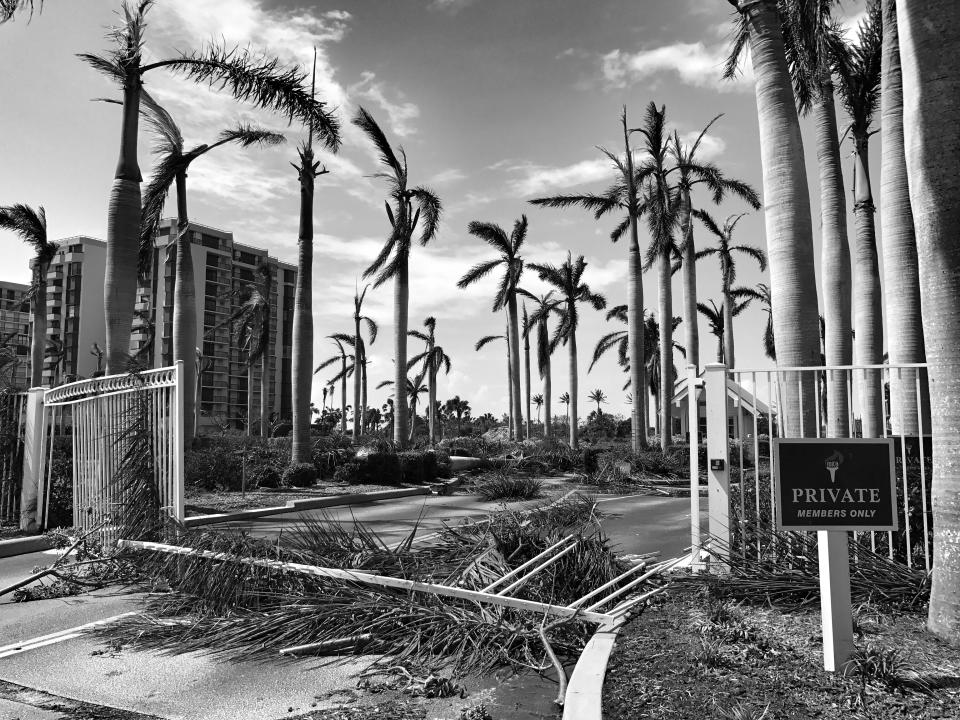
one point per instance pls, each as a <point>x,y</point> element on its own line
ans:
<point>33,437</point>
<point>718,461</point>
<point>693,427</point>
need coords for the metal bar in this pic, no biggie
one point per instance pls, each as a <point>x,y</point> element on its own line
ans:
<point>886,409</point>
<point>923,474</point>
<point>627,605</point>
<point>693,425</point>
<point>537,569</point>
<point>903,467</point>
<point>808,368</point>
<point>377,580</point>
<point>816,404</point>
<point>656,569</point>
<point>619,578</point>
<point>527,564</point>
<point>756,457</point>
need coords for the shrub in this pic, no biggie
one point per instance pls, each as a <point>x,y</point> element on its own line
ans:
<point>329,452</point>
<point>263,476</point>
<point>418,468</point>
<point>590,456</point>
<point>60,510</point>
<point>379,468</point>
<point>299,475</point>
<point>502,486</point>
<point>349,473</point>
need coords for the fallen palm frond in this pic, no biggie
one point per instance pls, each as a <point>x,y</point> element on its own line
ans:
<point>221,603</point>
<point>786,572</point>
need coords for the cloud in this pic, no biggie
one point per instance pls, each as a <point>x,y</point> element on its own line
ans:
<point>447,176</point>
<point>695,63</point>
<point>400,113</point>
<point>449,6</point>
<point>711,146</point>
<point>538,178</point>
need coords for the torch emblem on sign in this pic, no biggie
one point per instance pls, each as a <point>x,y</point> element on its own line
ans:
<point>832,464</point>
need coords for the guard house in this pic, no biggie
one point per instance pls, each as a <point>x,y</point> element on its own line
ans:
<point>740,404</point>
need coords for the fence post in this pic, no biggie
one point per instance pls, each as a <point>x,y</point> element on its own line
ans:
<point>178,441</point>
<point>718,461</point>
<point>693,432</point>
<point>33,437</point>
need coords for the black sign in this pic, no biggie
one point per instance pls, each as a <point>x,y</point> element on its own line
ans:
<point>835,484</point>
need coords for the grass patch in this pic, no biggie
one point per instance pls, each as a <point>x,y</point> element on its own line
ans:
<point>502,486</point>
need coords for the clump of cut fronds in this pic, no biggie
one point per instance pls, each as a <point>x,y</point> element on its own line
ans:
<point>742,711</point>
<point>874,664</point>
<point>786,573</point>
<point>502,483</point>
<point>709,653</point>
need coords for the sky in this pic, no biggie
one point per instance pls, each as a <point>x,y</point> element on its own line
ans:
<point>494,101</point>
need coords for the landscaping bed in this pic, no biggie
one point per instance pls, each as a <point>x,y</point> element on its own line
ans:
<point>693,657</point>
<point>205,502</point>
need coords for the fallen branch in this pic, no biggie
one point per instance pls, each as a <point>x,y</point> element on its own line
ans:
<point>49,571</point>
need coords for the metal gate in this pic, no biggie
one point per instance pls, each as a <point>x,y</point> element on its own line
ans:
<point>103,417</point>
<point>742,409</point>
<point>12,413</point>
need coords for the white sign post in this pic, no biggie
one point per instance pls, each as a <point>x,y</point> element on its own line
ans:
<point>835,486</point>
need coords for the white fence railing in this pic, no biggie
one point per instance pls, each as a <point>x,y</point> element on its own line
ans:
<point>12,412</point>
<point>98,416</point>
<point>744,408</point>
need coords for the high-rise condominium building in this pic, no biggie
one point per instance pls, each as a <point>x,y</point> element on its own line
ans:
<point>14,335</point>
<point>223,270</point>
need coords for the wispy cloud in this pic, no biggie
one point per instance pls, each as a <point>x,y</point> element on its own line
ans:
<point>450,6</point>
<point>536,179</point>
<point>711,146</point>
<point>696,64</point>
<point>401,114</point>
<point>447,176</point>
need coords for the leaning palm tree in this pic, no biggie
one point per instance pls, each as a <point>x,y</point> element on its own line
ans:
<point>789,229</point>
<point>545,306</point>
<point>248,323</point>
<point>348,366</point>
<point>858,76</point>
<point>813,41</point>
<point>623,196</point>
<point>538,401</point>
<point>506,297</point>
<point>930,57</point>
<point>393,260</point>
<point>415,388</point>
<point>247,76</point>
<point>691,173</point>
<point>598,397</point>
<point>433,359</point>
<point>482,343</point>
<point>901,275</point>
<point>726,251</point>
<point>567,279</point>
<point>766,300</point>
<point>172,164</point>
<point>31,226</point>
<point>360,351</point>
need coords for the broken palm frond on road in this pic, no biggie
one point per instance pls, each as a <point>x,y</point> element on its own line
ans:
<point>786,573</point>
<point>472,599</point>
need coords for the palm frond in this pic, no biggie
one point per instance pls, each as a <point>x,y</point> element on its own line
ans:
<point>365,121</point>
<point>486,340</point>
<point>430,209</point>
<point>492,234</point>
<point>477,272</point>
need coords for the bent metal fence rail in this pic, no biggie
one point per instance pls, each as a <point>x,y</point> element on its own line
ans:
<point>99,414</point>
<point>744,408</point>
<point>13,407</point>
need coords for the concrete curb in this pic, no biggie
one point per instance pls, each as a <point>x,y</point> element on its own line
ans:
<point>311,504</point>
<point>584,698</point>
<point>24,545</point>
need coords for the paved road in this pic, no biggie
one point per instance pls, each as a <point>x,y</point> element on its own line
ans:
<point>194,687</point>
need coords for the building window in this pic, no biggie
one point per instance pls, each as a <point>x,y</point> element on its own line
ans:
<point>210,241</point>
<point>289,276</point>
<point>211,275</point>
<point>75,248</point>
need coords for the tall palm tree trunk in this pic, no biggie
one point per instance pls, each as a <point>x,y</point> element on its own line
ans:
<point>185,310</point>
<point>787,217</point>
<point>689,280</point>
<point>729,351</point>
<point>357,380</point>
<point>249,431</point>
<point>929,43</point>
<point>547,391</point>
<point>574,381</point>
<point>401,300</point>
<point>513,338</point>
<point>302,360</point>
<point>343,397</point>
<point>432,398</point>
<point>638,411</point>
<point>666,352</point>
<point>123,236</point>
<point>265,365</point>
<point>868,340</point>
<point>900,263</point>
<point>526,374</point>
<point>363,394</point>
<point>510,426</point>
<point>835,263</point>
<point>38,341</point>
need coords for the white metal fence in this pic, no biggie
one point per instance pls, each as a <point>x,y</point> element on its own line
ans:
<point>12,413</point>
<point>98,415</point>
<point>836,401</point>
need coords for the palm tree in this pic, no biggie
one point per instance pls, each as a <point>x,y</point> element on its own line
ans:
<point>726,251</point>
<point>342,341</point>
<point>769,343</point>
<point>567,279</point>
<point>246,75</point>
<point>545,306</point>
<point>506,297</point>
<point>623,195</point>
<point>202,364</point>
<point>789,229</point>
<point>900,262</point>
<point>266,276</point>
<point>31,226</point>
<point>483,342</point>
<point>525,331</point>
<point>55,353</point>
<point>598,397</point>
<point>360,351</point>
<point>929,44</point>
<point>9,8</point>
<point>459,409</point>
<point>718,317</point>
<point>171,168</point>
<point>813,41</point>
<point>538,401</point>
<point>654,366</point>
<point>565,400</point>
<point>858,75</point>
<point>690,173</point>
<point>433,359</point>
<point>98,353</point>
<point>393,260</point>
<point>415,388</point>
